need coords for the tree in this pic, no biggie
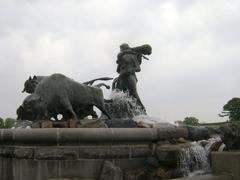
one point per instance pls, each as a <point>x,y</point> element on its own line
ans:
<point>1,122</point>
<point>232,109</point>
<point>9,123</point>
<point>193,121</point>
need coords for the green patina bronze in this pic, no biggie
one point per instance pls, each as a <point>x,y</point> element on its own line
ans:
<point>58,94</point>
<point>128,63</point>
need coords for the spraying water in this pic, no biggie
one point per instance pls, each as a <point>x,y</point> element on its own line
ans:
<point>123,106</point>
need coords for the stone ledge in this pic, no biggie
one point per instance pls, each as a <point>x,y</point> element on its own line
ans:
<point>207,177</point>
<point>56,154</point>
<point>22,152</point>
<point>226,162</point>
<point>76,136</point>
<point>107,151</point>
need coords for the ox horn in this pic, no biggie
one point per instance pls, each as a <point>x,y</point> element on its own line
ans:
<point>23,90</point>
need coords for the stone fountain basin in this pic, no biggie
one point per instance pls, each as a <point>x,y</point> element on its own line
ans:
<point>79,153</point>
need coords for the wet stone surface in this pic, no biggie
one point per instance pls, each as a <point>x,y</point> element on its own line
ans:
<point>51,154</point>
<point>24,153</point>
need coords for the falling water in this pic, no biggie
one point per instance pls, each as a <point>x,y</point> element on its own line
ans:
<point>152,122</point>
<point>194,160</point>
<point>123,106</point>
<point>23,124</point>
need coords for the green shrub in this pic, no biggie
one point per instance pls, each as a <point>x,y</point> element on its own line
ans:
<point>191,121</point>
<point>8,123</point>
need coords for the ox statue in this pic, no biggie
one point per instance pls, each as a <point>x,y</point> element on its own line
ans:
<point>32,82</point>
<point>58,94</point>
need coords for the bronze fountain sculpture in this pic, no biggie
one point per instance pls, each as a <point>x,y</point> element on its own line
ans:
<point>58,94</point>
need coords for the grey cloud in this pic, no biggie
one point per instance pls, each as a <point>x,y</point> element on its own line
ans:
<point>192,71</point>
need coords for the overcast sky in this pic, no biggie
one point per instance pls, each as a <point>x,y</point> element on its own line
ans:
<point>193,70</point>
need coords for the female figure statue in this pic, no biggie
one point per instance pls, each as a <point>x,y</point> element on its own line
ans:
<point>129,61</point>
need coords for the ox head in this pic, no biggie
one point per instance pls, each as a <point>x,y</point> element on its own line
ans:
<point>30,85</point>
<point>31,109</point>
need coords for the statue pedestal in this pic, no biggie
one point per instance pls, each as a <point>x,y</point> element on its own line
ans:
<point>55,124</point>
<point>46,124</point>
<point>71,123</point>
<point>77,153</point>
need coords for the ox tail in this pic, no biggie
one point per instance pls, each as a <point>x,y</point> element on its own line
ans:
<point>102,79</point>
<point>102,84</point>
